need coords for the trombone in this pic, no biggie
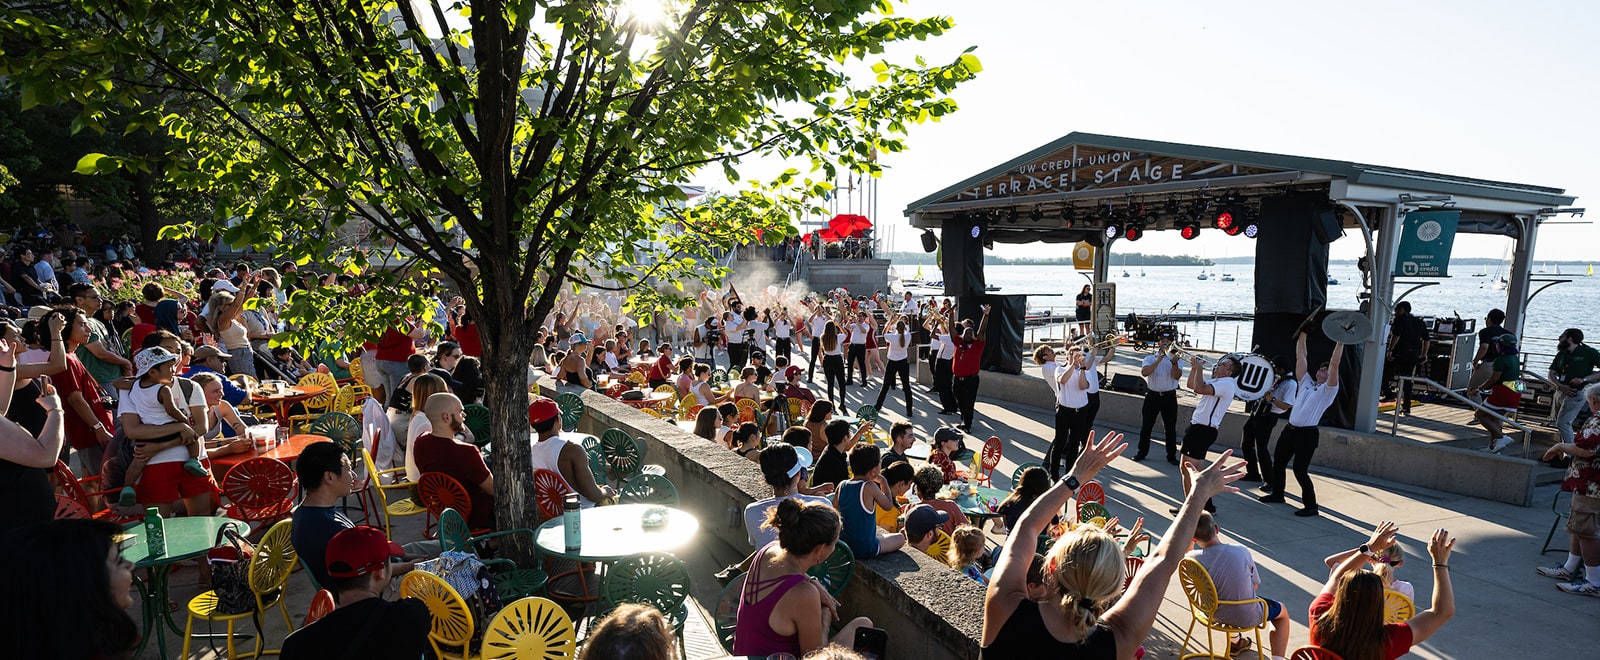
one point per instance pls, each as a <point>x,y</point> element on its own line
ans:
<point>1178,351</point>
<point>1107,342</point>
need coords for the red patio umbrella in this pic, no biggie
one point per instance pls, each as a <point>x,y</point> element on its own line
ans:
<point>849,224</point>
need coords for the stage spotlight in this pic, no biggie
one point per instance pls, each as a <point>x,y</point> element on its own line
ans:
<point>1067,213</point>
<point>1011,215</point>
<point>1251,229</point>
<point>1113,230</point>
<point>929,241</point>
<point>1036,214</point>
<point>1134,232</point>
<point>1234,229</point>
<point>1224,220</point>
<point>1189,231</point>
<point>1173,208</point>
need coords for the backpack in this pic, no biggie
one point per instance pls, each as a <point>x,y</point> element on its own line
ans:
<point>230,573</point>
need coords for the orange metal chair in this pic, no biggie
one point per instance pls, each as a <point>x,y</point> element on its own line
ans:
<point>989,459</point>
<point>259,490</point>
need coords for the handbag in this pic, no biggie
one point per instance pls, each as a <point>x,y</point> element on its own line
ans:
<point>230,573</point>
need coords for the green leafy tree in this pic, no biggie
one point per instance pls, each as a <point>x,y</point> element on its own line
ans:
<point>515,148</point>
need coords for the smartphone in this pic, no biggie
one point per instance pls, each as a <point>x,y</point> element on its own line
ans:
<point>872,643</point>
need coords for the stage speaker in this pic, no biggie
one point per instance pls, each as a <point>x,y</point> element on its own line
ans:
<point>1002,349</point>
<point>1291,263</point>
<point>1127,383</point>
<point>929,241</point>
<point>1327,226</point>
<point>962,238</point>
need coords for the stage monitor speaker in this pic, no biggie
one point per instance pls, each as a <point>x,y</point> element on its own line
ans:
<point>1002,349</point>
<point>1327,226</point>
<point>1291,264</point>
<point>929,241</point>
<point>1127,383</point>
<point>962,239</point>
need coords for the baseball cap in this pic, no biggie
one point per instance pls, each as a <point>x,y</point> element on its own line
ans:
<point>37,312</point>
<point>149,358</point>
<point>792,373</point>
<point>922,518</point>
<point>208,352</point>
<point>1506,339</point>
<point>946,433</point>
<point>577,338</point>
<point>224,285</point>
<point>783,459</point>
<point>358,551</point>
<point>758,355</point>
<point>542,410</point>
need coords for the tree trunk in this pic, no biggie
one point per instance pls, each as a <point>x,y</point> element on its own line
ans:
<point>505,369</point>
<point>152,251</point>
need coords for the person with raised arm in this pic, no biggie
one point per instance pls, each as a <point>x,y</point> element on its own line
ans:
<point>1347,616</point>
<point>1298,441</point>
<point>1084,572</point>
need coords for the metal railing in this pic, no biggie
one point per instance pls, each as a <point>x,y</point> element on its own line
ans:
<point>1394,424</point>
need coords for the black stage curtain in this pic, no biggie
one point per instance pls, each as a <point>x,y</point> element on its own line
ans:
<point>1002,350</point>
<point>1274,339</point>
<point>963,256</point>
<point>1291,264</point>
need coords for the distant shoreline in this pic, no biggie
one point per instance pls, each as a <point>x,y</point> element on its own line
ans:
<point>1136,259</point>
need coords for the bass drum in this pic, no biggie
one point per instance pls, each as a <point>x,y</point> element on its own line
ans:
<point>1255,376</point>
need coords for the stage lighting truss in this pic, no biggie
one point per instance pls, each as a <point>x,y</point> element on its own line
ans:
<point>1134,231</point>
<point>1068,214</point>
<point>1036,214</point>
<point>1189,230</point>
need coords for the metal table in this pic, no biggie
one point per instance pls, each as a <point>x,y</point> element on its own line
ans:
<point>614,532</point>
<point>187,538</point>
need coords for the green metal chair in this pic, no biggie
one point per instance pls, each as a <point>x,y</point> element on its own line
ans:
<point>341,428</point>
<point>1016,475</point>
<point>1561,513</point>
<point>719,378</point>
<point>726,617</point>
<point>835,571</point>
<point>571,409</point>
<point>649,489</point>
<point>1090,510</point>
<point>658,580</point>
<point>510,581</point>
<point>478,422</point>
<point>867,413</point>
<point>597,465</point>
<point>622,454</point>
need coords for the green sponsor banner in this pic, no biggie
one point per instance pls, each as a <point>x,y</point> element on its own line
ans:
<point>1425,243</point>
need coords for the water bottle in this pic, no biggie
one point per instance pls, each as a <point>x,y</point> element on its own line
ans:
<point>570,520</point>
<point>155,532</point>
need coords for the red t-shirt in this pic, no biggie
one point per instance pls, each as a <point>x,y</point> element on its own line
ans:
<point>467,337</point>
<point>1396,636</point>
<point>395,345</point>
<point>463,462</point>
<point>662,370</point>
<point>968,355</point>
<point>147,314</point>
<point>140,331</point>
<point>77,379</point>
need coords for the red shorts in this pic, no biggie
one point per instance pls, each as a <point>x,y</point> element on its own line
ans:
<point>169,482</point>
<point>1503,398</point>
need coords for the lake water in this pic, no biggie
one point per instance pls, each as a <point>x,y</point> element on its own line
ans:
<point>1574,304</point>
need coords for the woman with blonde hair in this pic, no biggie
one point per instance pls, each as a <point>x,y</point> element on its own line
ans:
<point>631,632</point>
<point>422,387</point>
<point>1083,573</point>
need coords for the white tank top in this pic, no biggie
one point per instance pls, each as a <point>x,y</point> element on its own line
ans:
<point>546,454</point>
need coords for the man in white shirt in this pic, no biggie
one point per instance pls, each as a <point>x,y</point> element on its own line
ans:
<point>733,331</point>
<point>943,350</point>
<point>1215,395</point>
<point>1298,441</point>
<point>819,324</point>
<point>858,348</point>
<point>1162,372</point>
<point>1264,415</point>
<point>1069,380</point>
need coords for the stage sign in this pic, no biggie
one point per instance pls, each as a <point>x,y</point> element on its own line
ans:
<point>1083,256</point>
<point>1104,310</point>
<point>1084,166</point>
<point>1425,241</point>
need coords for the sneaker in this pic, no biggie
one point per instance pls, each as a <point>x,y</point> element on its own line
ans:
<point>1272,498</point>
<point>1581,588</point>
<point>1557,573</point>
<point>1308,512</point>
<point>1250,477</point>
<point>1501,444</point>
<point>193,466</point>
<point>1265,488</point>
<point>1138,458</point>
<point>1238,645</point>
<point>128,497</point>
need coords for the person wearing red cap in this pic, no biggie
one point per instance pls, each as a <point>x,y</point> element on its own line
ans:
<point>552,452</point>
<point>364,625</point>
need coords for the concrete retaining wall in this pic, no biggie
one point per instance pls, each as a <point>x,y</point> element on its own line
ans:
<point>861,276</point>
<point>1391,458</point>
<point>931,611</point>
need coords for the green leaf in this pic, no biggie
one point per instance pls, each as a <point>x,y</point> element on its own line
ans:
<point>90,164</point>
<point>971,63</point>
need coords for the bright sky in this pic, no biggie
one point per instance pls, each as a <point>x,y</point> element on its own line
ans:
<point>1494,90</point>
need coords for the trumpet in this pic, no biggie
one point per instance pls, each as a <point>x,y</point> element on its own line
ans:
<point>1178,351</point>
<point>1107,342</point>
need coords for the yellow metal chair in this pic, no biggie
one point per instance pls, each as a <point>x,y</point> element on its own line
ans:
<point>1396,607</point>
<point>637,378</point>
<point>319,404</point>
<point>653,413</point>
<point>667,389</point>
<point>269,570</point>
<point>531,628</point>
<point>685,407</point>
<point>1203,603</point>
<point>940,548</point>
<point>356,372</point>
<point>452,621</point>
<point>405,506</point>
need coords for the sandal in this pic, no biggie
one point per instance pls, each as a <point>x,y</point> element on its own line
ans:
<point>1238,646</point>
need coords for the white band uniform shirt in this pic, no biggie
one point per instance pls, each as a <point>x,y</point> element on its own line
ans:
<point>1212,407</point>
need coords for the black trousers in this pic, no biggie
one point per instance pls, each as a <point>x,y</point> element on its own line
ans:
<point>942,383</point>
<point>816,357</point>
<point>1090,412</point>
<point>738,354</point>
<point>782,347</point>
<point>903,368</point>
<point>1165,406</point>
<point>1257,435</point>
<point>857,355</point>
<point>1295,443</point>
<point>1401,365</point>
<point>833,371</point>
<point>1063,451</point>
<point>966,390</point>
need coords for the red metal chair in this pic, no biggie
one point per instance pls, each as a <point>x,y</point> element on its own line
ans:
<point>321,605</point>
<point>617,390</point>
<point>989,459</point>
<point>549,489</point>
<point>70,485</point>
<point>439,491</point>
<point>1090,491</point>
<point>259,490</point>
<point>66,507</point>
<point>1133,566</point>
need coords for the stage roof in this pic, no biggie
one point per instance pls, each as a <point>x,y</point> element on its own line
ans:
<point>1075,175</point>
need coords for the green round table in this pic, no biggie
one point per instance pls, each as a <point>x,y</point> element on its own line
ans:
<point>187,538</point>
<point>976,510</point>
<point>614,532</point>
